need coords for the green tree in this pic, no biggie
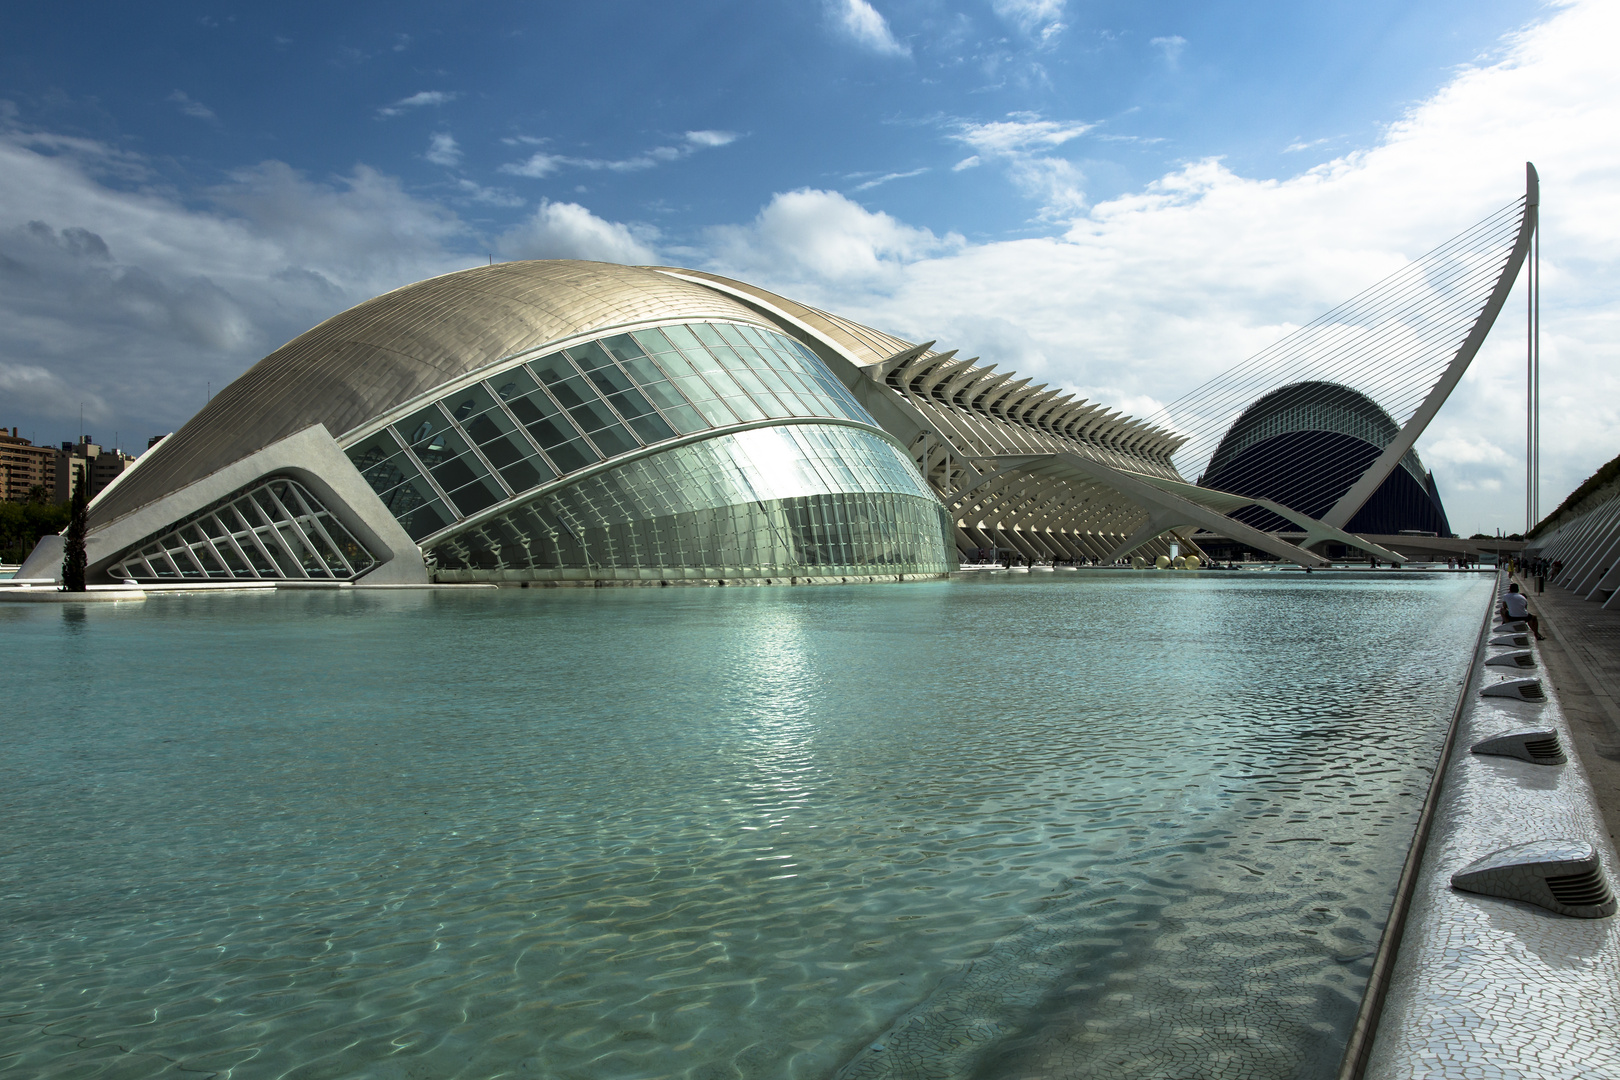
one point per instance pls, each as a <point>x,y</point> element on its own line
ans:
<point>22,524</point>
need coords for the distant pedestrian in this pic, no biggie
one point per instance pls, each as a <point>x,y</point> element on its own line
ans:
<point>1515,608</point>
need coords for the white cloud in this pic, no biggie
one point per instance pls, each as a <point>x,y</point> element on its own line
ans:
<point>33,389</point>
<point>1041,17</point>
<point>1172,47</point>
<point>706,139</point>
<point>886,177</point>
<point>564,230</point>
<point>418,100</point>
<point>1021,143</point>
<point>821,238</point>
<point>1149,294</point>
<point>866,27</point>
<point>442,149</point>
<point>191,107</point>
<point>136,300</point>
<point>966,163</point>
<point>1021,132</point>
<point>542,164</point>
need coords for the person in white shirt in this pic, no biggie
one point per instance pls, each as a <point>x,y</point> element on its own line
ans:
<point>1516,608</point>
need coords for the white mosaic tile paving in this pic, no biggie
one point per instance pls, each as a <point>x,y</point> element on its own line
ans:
<point>1492,988</point>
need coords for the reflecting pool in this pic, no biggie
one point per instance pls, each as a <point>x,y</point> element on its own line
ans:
<point>1098,824</point>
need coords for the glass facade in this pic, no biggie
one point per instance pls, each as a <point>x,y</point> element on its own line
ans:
<point>553,415</point>
<point>273,530</point>
<point>812,500</point>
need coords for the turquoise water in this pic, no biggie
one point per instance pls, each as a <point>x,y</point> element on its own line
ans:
<point>1095,824</point>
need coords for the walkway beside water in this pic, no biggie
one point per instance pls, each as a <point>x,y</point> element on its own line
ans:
<point>1582,657</point>
<point>1488,987</point>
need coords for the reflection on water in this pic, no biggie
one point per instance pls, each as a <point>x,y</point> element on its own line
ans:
<point>1107,824</point>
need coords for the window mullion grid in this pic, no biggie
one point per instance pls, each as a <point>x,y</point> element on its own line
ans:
<point>214,547</point>
<point>192,555</point>
<point>281,536</point>
<point>567,416</point>
<point>651,404</point>
<point>232,538</point>
<point>257,534</point>
<point>424,472</point>
<point>311,517</point>
<point>697,373</point>
<point>298,528</point>
<point>517,424</point>
<point>476,451</point>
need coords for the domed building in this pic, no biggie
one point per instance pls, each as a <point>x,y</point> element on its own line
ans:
<point>550,422</point>
<point>1304,445</point>
<point>563,422</point>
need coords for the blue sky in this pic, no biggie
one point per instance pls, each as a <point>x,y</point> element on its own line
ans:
<point>1152,190</point>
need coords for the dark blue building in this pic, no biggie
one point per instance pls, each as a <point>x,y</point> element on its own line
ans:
<point>1305,444</point>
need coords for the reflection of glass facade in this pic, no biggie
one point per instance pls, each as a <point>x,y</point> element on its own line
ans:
<point>274,529</point>
<point>562,412</point>
<point>803,499</point>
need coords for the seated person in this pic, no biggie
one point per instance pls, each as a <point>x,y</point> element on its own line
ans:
<point>1515,608</point>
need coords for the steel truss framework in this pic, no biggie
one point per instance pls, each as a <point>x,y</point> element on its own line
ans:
<point>1029,468</point>
<point>1401,345</point>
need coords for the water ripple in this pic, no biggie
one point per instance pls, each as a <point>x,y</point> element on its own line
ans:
<point>1121,825</point>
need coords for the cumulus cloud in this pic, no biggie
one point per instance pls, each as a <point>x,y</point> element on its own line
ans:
<point>133,301</point>
<point>565,230</point>
<point>442,149</point>
<point>1144,296</point>
<point>543,163</point>
<point>417,101</point>
<point>820,238</point>
<point>866,26</point>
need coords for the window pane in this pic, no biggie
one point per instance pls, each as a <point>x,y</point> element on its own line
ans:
<point>663,395</point>
<point>571,392</point>
<point>510,384</point>
<point>422,426</point>
<point>526,474</point>
<point>469,402</point>
<point>573,455</point>
<point>590,356</point>
<point>653,341</point>
<point>623,347</point>
<point>591,415</point>
<point>683,337</point>
<point>553,368</point>
<point>745,408</point>
<point>715,413</point>
<point>643,370</point>
<point>685,418</point>
<point>630,404</point>
<point>613,441</point>
<point>609,380</point>
<point>707,334</point>
<point>425,519</point>
<point>473,497</point>
<point>651,428</point>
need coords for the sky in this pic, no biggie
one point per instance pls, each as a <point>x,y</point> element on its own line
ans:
<point>1118,198</point>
